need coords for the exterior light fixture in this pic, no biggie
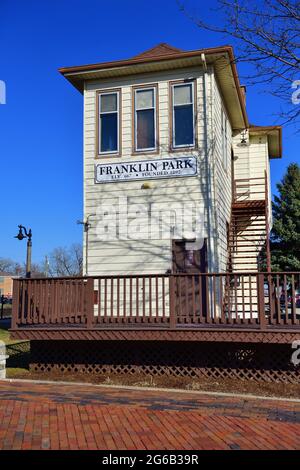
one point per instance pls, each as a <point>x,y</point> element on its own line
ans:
<point>146,185</point>
<point>243,142</point>
<point>23,233</point>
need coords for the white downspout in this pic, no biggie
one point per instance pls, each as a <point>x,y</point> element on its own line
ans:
<point>209,194</point>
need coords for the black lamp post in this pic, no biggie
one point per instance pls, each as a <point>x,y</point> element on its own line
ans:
<point>86,226</point>
<point>27,235</point>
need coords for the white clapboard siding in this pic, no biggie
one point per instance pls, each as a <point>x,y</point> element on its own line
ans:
<point>135,297</point>
<point>222,181</point>
<point>154,255</point>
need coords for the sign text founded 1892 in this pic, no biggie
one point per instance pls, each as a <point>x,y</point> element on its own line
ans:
<point>146,169</point>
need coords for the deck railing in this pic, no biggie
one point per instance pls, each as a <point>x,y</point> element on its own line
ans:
<point>249,189</point>
<point>258,300</point>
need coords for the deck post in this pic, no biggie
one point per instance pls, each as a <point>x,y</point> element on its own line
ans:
<point>89,301</point>
<point>172,302</point>
<point>261,299</point>
<point>15,303</point>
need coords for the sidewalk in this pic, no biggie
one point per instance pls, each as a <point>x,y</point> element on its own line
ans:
<point>72,416</point>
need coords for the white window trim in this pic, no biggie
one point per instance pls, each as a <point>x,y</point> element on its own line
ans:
<point>117,92</point>
<point>174,85</point>
<point>148,149</point>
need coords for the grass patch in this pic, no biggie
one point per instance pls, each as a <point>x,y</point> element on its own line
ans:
<point>4,333</point>
<point>17,364</point>
<point>16,372</point>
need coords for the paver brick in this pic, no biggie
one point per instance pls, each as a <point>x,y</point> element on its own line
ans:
<point>59,416</point>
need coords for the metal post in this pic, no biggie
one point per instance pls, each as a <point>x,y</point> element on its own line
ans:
<point>86,226</point>
<point>28,258</point>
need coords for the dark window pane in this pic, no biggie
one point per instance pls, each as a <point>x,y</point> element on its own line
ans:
<point>145,129</point>
<point>109,132</point>
<point>184,126</point>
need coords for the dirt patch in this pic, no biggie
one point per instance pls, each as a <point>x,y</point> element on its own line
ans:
<point>283,390</point>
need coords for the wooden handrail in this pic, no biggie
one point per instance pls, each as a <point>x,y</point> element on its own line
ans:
<point>121,276</point>
<point>174,300</point>
<point>240,185</point>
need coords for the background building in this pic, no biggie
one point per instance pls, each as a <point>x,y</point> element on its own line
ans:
<point>6,283</point>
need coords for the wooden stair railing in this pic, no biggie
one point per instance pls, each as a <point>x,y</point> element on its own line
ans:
<point>249,226</point>
<point>248,230</point>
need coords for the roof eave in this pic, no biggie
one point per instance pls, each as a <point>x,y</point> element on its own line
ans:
<point>274,135</point>
<point>79,74</point>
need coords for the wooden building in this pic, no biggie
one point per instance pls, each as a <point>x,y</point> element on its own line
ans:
<point>177,207</point>
<point>6,285</point>
<point>166,103</point>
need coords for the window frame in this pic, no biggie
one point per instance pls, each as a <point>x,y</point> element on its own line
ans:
<point>173,84</point>
<point>155,149</point>
<point>99,93</point>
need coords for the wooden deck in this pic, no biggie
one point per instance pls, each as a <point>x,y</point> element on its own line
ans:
<point>251,307</point>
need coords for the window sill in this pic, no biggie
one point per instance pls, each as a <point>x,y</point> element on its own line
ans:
<point>145,152</point>
<point>183,149</point>
<point>102,156</point>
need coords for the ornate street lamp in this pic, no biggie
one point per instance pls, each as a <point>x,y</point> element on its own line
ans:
<point>23,233</point>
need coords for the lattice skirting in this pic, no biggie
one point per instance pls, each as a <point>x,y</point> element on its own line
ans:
<point>259,362</point>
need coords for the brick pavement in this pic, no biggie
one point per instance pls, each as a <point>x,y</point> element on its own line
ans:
<point>59,416</point>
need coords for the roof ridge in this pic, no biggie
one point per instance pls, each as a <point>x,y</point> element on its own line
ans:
<point>160,49</point>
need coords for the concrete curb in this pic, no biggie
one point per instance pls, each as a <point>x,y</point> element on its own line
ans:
<point>154,389</point>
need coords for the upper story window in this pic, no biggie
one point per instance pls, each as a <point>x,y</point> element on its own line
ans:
<point>108,124</point>
<point>183,115</point>
<point>224,131</point>
<point>145,121</point>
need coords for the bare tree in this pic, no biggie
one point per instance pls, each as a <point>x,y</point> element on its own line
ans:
<point>7,265</point>
<point>13,268</point>
<point>265,33</point>
<point>66,261</point>
<point>62,262</point>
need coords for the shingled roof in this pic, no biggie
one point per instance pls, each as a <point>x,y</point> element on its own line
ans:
<point>161,49</point>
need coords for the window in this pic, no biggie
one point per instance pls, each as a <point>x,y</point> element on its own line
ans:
<point>145,119</point>
<point>183,115</point>
<point>108,122</point>
<point>224,139</point>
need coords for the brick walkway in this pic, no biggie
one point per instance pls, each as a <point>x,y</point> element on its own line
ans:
<point>55,416</point>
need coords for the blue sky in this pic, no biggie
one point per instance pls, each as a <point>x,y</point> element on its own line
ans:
<point>41,123</point>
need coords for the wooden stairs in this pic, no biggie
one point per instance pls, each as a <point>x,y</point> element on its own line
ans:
<point>248,247</point>
<point>248,241</point>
